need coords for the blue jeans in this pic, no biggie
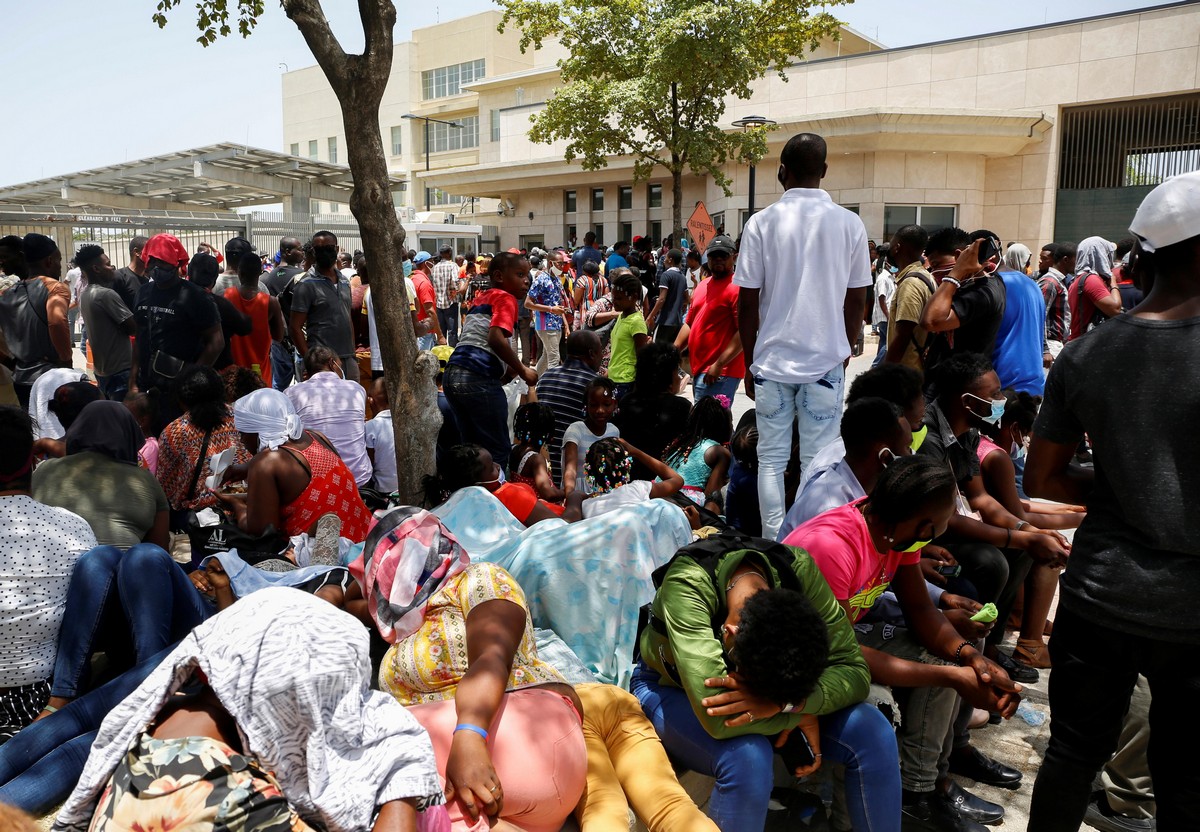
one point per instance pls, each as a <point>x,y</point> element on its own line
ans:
<point>114,387</point>
<point>881,329</point>
<point>481,409</point>
<point>816,409</point>
<point>723,386</point>
<point>283,366</point>
<point>116,600</point>
<point>858,737</point>
<point>448,321</point>
<point>427,342</point>
<point>41,765</point>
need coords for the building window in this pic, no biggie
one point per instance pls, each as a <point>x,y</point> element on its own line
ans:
<point>570,236</point>
<point>335,208</point>
<point>397,139</point>
<point>398,199</point>
<point>598,230</point>
<point>654,196</point>
<point>295,148</point>
<point>853,209</point>
<point>495,117</point>
<point>443,137</point>
<point>930,217</point>
<point>312,149</point>
<point>743,218</point>
<point>597,199</point>
<point>333,150</point>
<point>569,202</point>
<point>448,80</point>
<point>440,197</point>
<point>656,231</point>
<point>625,198</point>
<point>718,221</point>
<point>626,231</point>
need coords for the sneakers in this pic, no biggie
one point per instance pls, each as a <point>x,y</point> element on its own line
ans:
<point>1100,816</point>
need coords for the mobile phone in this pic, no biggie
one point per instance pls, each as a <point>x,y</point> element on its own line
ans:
<point>796,752</point>
<point>950,570</point>
<point>988,248</point>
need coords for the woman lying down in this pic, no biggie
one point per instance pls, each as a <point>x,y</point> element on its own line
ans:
<point>261,719</point>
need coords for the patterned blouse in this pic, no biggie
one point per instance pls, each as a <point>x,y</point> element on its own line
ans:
<point>428,665</point>
<point>179,449</point>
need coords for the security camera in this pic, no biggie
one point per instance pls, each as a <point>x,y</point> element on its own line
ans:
<point>500,211</point>
<point>510,204</point>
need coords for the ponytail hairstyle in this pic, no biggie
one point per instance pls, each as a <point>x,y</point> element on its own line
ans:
<point>909,484</point>
<point>709,419</point>
<point>460,468</point>
<point>1022,409</point>
<point>534,424</point>
<point>608,466</point>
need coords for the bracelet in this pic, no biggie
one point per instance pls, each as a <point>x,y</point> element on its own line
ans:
<point>958,652</point>
<point>50,709</point>
<point>475,729</point>
<point>949,279</point>
<point>1007,538</point>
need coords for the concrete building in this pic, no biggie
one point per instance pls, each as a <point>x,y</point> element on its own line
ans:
<point>1049,132</point>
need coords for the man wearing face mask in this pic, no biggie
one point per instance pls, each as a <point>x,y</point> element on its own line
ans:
<point>177,324</point>
<point>969,302</point>
<point>320,313</point>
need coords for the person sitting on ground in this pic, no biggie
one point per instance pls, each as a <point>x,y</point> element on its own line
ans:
<point>100,480</point>
<point>187,444</point>
<point>38,553</point>
<point>46,424</point>
<point>505,725</point>
<point>240,381</point>
<point>600,402</point>
<point>611,483</point>
<point>862,549</point>
<point>381,440</point>
<point>699,453</point>
<point>295,477</point>
<point>466,465</point>
<point>629,333</point>
<point>144,408</point>
<point>264,714</point>
<point>65,405</point>
<point>652,414</point>
<point>741,498</point>
<point>330,404</point>
<point>724,691</point>
<point>532,428</point>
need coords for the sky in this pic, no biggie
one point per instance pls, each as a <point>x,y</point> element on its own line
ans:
<point>97,83</point>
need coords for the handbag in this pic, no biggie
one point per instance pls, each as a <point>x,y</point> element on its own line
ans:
<point>226,536</point>
<point>163,364</point>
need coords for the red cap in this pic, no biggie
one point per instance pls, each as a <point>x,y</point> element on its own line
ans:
<point>167,248</point>
<point>514,251</point>
<point>637,239</point>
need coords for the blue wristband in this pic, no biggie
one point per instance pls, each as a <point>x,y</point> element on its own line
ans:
<point>463,726</point>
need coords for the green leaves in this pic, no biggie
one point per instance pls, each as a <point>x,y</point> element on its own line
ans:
<point>212,17</point>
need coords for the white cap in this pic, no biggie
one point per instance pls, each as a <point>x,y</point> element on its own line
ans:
<point>1170,213</point>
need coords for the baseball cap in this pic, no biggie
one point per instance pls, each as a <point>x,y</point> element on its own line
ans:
<point>421,257</point>
<point>235,248</point>
<point>203,269</point>
<point>1170,213</point>
<point>722,242</point>
<point>167,248</point>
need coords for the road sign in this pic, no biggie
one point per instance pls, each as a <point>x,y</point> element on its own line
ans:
<point>700,225</point>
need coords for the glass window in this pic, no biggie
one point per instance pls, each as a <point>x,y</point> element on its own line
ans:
<point>718,221</point>
<point>597,200</point>
<point>853,209</point>
<point>333,150</point>
<point>896,217</point>
<point>398,199</point>
<point>397,139</point>
<point>936,217</point>
<point>440,197</point>
<point>930,217</point>
<point>569,203</point>
<point>443,137</point>
<point>295,148</point>
<point>570,235</point>
<point>656,231</point>
<point>625,198</point>
<point>626,232</point>
<point>495,117</point>
<point>598,229</point>
<point>448,80</point>
<point>654,196</point>
<point>312,149</point>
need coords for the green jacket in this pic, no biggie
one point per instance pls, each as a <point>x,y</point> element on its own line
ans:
<point>686,603</point>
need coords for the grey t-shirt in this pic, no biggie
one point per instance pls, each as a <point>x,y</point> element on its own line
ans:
<point>328,308</point>
<point>676,285</point>
<point>103,312</point>
<point>1133,386</point>
<point>118,501</point>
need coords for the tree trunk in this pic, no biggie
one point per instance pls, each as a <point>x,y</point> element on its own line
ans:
<point>677,200</point>
<point>359,82</point>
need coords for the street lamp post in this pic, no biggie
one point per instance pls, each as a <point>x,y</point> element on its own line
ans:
<point>746,123</point>
<point>456,125</point>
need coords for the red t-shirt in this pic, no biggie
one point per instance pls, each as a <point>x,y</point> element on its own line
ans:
<point>425,293</point>
<point>840,544</point>
<point>520,499</point>
<point>495,307</point>
<point>713,321</point>
<point>1083,294</point>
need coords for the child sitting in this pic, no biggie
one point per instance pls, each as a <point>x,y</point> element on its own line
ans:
<point>609,469</point>
<point>533,426</point>
<point>699,453</point>
<point>467,465</point>
<point>600,400</point>
<point>144,408</point>
<point>381,440</point>
<point>741,498</point>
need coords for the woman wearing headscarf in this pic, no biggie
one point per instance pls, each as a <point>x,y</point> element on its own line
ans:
<point>1016,259</point>
<point>1093,295</point>
<point>505,725</point>
<point>263,719</point>
<point>99,479</point>
<point>295,477</point>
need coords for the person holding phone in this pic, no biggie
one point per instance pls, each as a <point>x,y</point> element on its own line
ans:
<point>969,301</point>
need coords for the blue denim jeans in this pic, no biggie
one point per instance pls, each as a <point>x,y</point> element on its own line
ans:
<point>816,409</point>
<point>427,342</point>
<point>283,366</point>
<point>481,409</point>
<point>723,386</point>
<point>448,321</point>
<point>41,765</point>
<point>881,330</point>
<point>114,387</point>
<point>858,737</point>
<point>139,599</point>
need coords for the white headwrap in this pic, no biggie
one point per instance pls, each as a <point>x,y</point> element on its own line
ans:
<point>294,672</point>
<point>270,414</point>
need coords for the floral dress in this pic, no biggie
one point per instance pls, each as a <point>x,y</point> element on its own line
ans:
<point>196,784</point>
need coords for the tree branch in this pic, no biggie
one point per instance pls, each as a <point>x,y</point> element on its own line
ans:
<point>309,18</point>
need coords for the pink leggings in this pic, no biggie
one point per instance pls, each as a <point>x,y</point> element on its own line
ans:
<point>537,749</point>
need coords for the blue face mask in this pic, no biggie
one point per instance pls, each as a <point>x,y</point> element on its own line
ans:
<point>408,267</point>
<point>892,268</point>
<point>997,406</point>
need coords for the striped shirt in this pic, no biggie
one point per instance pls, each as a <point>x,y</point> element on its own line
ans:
<point>563,389</point>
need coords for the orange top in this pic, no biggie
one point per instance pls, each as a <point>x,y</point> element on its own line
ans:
<point>255,348</point>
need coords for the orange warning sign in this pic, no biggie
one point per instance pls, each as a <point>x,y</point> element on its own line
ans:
<point>700,225</point>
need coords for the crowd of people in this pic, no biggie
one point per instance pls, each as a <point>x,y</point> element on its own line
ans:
<point>219,614</point>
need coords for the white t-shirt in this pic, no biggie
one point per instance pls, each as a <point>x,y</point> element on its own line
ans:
<point>382,439</point>
<point>73,277</point>
<point>629,494</point>
<point>885,287</point>
<point>803,253</point>
<point>582,436</point>
<point>372,334</point>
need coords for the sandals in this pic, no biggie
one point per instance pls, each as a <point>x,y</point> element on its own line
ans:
<point>1033,653</point>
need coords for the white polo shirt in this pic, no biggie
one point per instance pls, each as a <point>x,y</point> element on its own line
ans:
<point>803,253</point>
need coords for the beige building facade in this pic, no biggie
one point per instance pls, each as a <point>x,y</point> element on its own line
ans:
<point>1004,131</point>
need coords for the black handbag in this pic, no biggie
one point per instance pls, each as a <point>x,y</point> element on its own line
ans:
<point>226,535</point>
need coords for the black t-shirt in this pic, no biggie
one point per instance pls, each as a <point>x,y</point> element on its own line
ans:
<point>650,424</point>
<point>673,307</point>
<point>960,452</point>
<point>126,283</point>
<point>279,279</point>
<point>980,308</point>
<point>1133,386</point>
<point>172,321</point>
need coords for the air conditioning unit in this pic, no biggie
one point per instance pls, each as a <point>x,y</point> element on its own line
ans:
<point>407,213</point>
<point>435,217</point>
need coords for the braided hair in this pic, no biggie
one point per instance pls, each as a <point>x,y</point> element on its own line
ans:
<point>709,419</point>
<point>533,424</point>
<point>608,466</point>
<point>907,485</point>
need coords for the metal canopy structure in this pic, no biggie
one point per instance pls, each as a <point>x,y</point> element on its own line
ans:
<point>220,177</point>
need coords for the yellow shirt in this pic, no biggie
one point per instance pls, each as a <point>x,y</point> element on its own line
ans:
<point>428,665</point>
